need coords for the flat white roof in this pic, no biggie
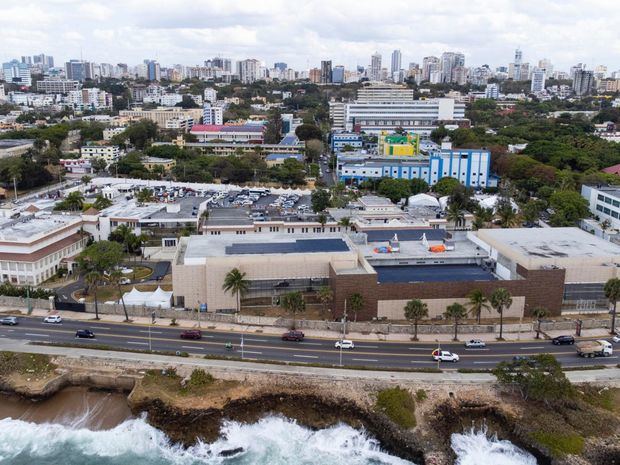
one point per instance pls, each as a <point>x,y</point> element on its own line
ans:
<point>31,227</point>
<point>552,243</point>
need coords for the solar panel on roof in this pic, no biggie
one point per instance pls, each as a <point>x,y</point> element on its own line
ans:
<point>299,246</point>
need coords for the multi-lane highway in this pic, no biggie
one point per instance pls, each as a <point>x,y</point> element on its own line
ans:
<point>397,355</point>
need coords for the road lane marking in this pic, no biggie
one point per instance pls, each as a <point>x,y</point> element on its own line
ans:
<point>422,348</point>
<point>255,340</point>
<point>252,352</point>
<point>422,361</point>
<point>533,347</point>
<point>368,347</point>
<point>306,356</point>
<point>37,334</point>
<point>102,327</point>
<point>480,363</point>
<point>365,360</point>
<point>477,350</point>
<point>138,343</point>
<point>193,347</point>
<point>152,332</point>
<point>310,344</point>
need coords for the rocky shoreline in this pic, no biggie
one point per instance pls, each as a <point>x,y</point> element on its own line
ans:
<point>186,416</point>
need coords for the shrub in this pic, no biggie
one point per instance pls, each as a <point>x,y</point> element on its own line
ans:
<point>421,395</point>
<point>200,378</point>
<point>173,322</point>
<point>560,444</point>
<point>398,405</point>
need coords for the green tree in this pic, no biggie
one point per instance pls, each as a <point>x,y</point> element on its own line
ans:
<point>140,133</point>
<point>418,186</point>
<point>115,278</point>
<point>235,283</point>
<point>507,216</point>
<point>416,310</point>
<point>322,219</point>
<point>500,300</point>
<point>92,279</point>
<point>101,202</point>
<point>532,210</point>
<point>482,217</point>
<point>98,164</point>
<point>273,128</point>
<point>568,208</point>
<point>477,303</point>
<point>612,292</point>
<point>325,296</point>
<point>541,378</point>
<point>320,200</point>
<point>345,222</point>
<point>455,215</point>
<point>314,149</point>
<point>539,313</point>
<point>86,179</point>
<point>187,102</point>
<point>100,256</point>
<point>455,312</point>
<point>438,134</point>
<point>144,195</point>
<point>308,131</point>
<point>356,303</point>
<point>74,201</point>
<point>394,189</point>
<point>294,303</point>
<point>446,186</point>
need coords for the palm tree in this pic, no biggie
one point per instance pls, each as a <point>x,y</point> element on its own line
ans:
<point>500,300</point>
<point>539,313</point>
<point>507,216</point>
<point>415,310</point>
<point>482,217</point>
<point>74,201</point>
<point>455,215</point>
<point>92,279</point>
<point>322,218</point>
<point>144,195</point>
<point>325,296</point>
<point>15,172</point>
<point>294,303</point>
<point>235,283</point>
<point>477,302</point>
<point>115,279</point>
<point>356,303</point>
<point>612,292</point>
<point>345,222</point>
<point>455,312</point>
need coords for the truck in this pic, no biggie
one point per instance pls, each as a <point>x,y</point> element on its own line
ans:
<point>600,348</point>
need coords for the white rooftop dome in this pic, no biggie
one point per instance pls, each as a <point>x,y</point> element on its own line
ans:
<point>423,200</point>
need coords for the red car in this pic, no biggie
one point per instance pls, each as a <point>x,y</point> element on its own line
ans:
<point>293,336</point>
<point>191,334</point>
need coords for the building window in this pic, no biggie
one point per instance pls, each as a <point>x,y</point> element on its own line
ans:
<point>599,208</point>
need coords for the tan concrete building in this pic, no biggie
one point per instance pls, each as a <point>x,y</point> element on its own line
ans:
<point>162,115</point>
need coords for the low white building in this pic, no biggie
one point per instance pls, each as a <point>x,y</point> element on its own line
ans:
<point>109,153</point>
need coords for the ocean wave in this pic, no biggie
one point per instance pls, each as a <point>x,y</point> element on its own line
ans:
<point>272,440</point>
<point>476,447</point>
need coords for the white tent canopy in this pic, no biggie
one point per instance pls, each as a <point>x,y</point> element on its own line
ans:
<point>491,202</point>
<point>157,298</point>
<point>423,200</point>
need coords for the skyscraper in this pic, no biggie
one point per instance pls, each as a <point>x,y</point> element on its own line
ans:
<point>583,82</point>
<point>429,64</point>
<point>280,66</point>
<point>326,71</point>
<point>517,65</point>
<point>76,70</point>
<point>396,61</point>
<point>17,73</point>
<point>374,73</point>
<point>546,65</point>
<point>248,70</point>
<point>538,80</point>
<point>338,74</point>
<point>449,61</point>
<point>153,71</point>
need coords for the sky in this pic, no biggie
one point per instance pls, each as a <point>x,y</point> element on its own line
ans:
<point>301,33</point>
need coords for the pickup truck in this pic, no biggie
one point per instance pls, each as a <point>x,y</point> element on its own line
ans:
<point>600,348</point>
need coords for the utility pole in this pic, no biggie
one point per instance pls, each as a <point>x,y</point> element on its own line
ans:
<point>344,328</point>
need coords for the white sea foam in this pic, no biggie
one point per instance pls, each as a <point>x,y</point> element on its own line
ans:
<point>476,447</point>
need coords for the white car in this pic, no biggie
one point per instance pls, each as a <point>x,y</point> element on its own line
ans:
<point>52,319</point>
<point>344,344</point>
<point>125,281</point>
<point>475,344</point>
<point>616,338</point>
<point>445,356</point>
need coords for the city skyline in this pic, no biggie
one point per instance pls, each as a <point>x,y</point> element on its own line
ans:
<point>271,32</point>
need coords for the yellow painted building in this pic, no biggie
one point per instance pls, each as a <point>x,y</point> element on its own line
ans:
<point>400,145</point>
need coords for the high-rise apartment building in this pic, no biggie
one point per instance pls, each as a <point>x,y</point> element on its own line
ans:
<point>492,91</point>
<point>396,61</point>
<point>78,70</point>
<point>153,71</point>
<point>281,66</point>
<point>338,74</point>
<point>546,65</point>
<point>248,70</point>
<point>17,73</point>
<point>326,72</point>
<point>212,114</point>
<point>538,81</point>
<point>315,75</point>
<point>429,65</point>
<point>583,82</point>
<point>374,72</point>
<point>450,61</point>
<point>210,95</point>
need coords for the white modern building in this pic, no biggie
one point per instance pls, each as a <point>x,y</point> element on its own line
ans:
<point>604,203</point>
<point>210,95</point>
<point>109,153</point>
<point>212,114</point>
<point>538,81</point>
<point>57,86</point>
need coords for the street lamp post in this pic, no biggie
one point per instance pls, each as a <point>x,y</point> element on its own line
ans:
<point>344,328</point>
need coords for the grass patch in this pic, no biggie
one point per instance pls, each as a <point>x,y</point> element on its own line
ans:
<point>559,444</point>
<point>474,370</point>
<point>421,395</point>
<point>25,364</point>
<point>167,384</point>
<point>605,398</point>
<point>398,405</point>
<point>140,272</point>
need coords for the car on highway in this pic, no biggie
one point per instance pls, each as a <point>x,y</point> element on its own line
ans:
<point>293,336</point>
<point>344,344</point>
<point>616,338</point>
<point>445,356</point>
<point>475,344</point>
<point>564,339</point>
<point>8,321</point>
<point>191,334</point>
<point>52,319</point>
<point>84,334</point>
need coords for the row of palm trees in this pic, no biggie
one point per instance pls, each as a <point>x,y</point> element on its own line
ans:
<point>500,299</point>
<point>94,279</point>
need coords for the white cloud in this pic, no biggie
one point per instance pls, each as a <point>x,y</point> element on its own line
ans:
<point>302,33</point>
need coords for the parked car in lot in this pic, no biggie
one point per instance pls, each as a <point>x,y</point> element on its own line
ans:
<point>445,356</point>
<point>475,344</point>
<point>84,334</point>
<point>125,281</point>
<point>293,336</point>
<point>344,344</point>
<point>564,339</point>
<point>191,334</point>
<point>8,321</point>
<point>52,319</point>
